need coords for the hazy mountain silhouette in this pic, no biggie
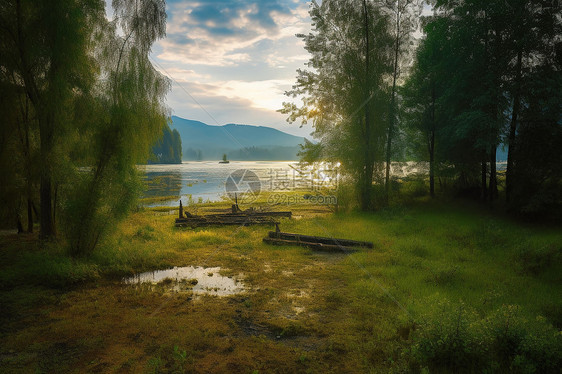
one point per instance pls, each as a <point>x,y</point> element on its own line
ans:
<point>240,142</point>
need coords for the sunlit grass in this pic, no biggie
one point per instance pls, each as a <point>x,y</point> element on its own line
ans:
<point>302,311</point>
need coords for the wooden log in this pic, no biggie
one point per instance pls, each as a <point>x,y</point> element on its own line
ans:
<point>315,246</point>
<point>319,240</point>
<point>198,221</point>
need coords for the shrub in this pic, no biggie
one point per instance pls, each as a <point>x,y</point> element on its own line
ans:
<point>450,338</point>
<point>453,338</point>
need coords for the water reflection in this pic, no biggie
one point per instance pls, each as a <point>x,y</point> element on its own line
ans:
<point>199,280</point>
<point>200,180</point>
<point>162,183</point>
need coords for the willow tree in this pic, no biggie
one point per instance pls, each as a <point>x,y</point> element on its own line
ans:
<point>344,93</point>
<point>127,114</point>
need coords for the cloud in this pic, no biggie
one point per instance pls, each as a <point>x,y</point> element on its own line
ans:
<point>213,32</point>
<point>235,58</point>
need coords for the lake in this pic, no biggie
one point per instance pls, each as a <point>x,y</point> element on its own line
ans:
<point>204,180</point>
<point>210,181</point>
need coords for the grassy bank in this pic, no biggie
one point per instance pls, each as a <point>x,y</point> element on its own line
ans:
<point>447,287</point>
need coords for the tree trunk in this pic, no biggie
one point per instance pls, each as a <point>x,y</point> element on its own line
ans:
<point>493,185</point>
<point>513,130</point>
<point>29,216</point>
<point>432,143</point>
<point>368,163</point>
<point>392,113</point>
<point>432,165</point>
<point>483,188</point>
<point>45,189</point>
<point>47,229</point>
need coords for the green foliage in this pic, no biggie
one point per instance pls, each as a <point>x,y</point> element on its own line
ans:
<point>472,77</point>
<point>345,96</point>
<point>455,338</point>
<point>94,207</point>
<point>169,360</point>
<point>167,149</point>
<point>87,105</point>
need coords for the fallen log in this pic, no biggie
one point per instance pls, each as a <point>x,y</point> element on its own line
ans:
<point>315,246</point>
<point>319,243</point>
<point>198,221</point>
<point>318,239</point>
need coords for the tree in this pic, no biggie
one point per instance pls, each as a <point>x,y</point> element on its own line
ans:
<point>89,105</point>
<point>475,38</point>
<point>47,56</point>
<point>167,149</point>
<point>422,92</point>
<point>130,115</point>
<point>344,94</point>
<point>403,16</point>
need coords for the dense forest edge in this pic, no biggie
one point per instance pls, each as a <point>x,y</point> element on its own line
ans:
<point>167,149</point>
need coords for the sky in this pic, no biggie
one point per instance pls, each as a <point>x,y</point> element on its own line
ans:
<point>232,61</point>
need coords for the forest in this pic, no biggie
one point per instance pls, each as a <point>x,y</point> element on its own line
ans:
<point>484,74</point>
<point>167,149</point>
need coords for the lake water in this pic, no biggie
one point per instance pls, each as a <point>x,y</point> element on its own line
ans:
<point>211,181</point>
<point>206,180</point>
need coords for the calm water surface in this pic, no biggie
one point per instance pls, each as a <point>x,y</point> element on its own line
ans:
<point>204,180</point>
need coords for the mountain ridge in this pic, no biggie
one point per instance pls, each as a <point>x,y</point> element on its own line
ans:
<point>201,141</point>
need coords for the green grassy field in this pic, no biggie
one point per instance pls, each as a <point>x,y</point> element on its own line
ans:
<point>447,287</point>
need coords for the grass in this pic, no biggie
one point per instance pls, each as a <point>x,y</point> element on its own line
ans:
<point>372,311</point>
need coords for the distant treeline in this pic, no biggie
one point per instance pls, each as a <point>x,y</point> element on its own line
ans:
<point>243,154</point>
<point>167,149</point>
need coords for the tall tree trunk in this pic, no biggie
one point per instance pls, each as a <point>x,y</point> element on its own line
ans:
<point>29,216</point>
<point>493,185</point>
<point>392,111</point>
<point>432,145</point>
<point>44,114</point>
<point>432,164</point>
<point>483,186</point>
<point>45,193</point>
<point>513,129</point>
<point>368,163</point>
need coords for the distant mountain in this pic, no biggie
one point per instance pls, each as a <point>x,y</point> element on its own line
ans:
<point>240,142</point>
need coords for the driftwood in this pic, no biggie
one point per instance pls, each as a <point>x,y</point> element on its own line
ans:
<point>315,242</point>
<point>236,217</point>
<point>224,219</point>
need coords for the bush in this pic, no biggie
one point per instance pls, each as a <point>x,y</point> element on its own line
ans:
<point>450,338</point>
<point>456,339</point>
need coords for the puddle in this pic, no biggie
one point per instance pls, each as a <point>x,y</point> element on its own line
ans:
<point>198,280</point>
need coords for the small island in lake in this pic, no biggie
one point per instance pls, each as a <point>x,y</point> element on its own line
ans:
<point>224,160</point>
